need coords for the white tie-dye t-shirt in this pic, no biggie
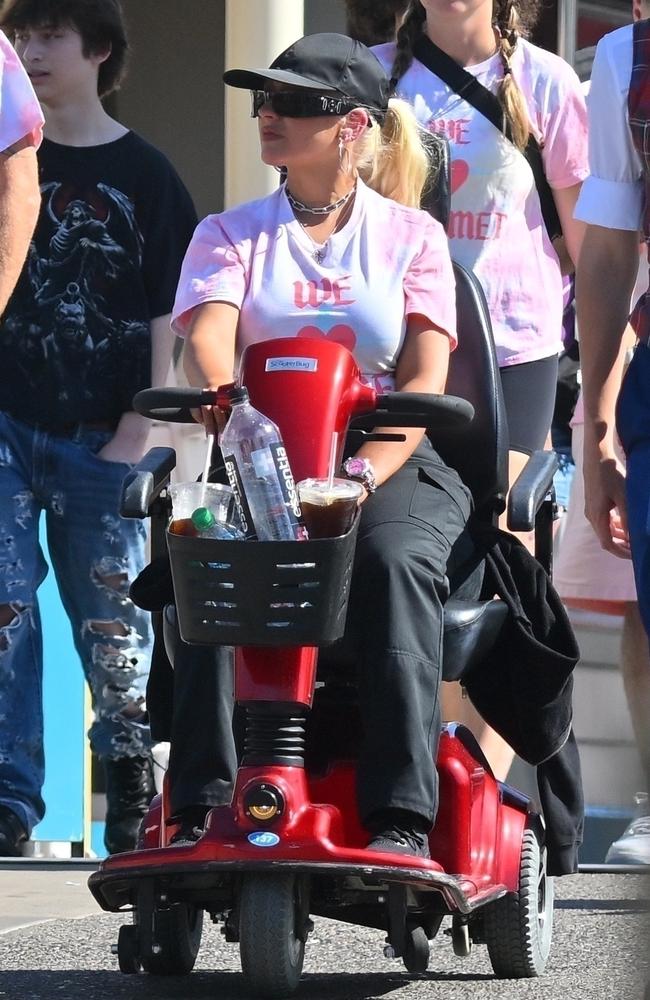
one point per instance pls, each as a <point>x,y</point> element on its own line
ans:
<point>496,227</point>
<point>387,262</point>
<point>20,112</point>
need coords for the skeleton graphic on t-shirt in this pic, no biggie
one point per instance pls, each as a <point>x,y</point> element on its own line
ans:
<point>95,243</point>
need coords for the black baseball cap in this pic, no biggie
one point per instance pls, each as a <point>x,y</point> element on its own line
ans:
<point>326,62</point>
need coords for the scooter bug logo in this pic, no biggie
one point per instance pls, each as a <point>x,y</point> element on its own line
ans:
<point>263,838</point>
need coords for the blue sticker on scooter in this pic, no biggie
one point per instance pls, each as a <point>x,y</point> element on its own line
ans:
<point>262,838</point>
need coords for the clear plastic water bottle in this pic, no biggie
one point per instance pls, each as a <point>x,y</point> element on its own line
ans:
<point>207,526</point>
<point>259,474</point>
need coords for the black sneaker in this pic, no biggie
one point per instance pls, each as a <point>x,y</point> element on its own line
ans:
<point>192,823</point>
<point>12,834</point>
<point>129,790</point>
<point>400,832</point>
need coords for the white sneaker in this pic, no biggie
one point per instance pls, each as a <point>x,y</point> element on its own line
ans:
<point>633,846</point>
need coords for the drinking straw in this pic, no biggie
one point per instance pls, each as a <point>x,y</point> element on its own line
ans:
<point>206,468</point>
<point>331,469</point>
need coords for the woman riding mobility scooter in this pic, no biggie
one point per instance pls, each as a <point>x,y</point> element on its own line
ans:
<point>290,845</point>
<point>313,826</point>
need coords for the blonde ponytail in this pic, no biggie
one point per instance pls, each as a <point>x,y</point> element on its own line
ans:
<point>392,159</point>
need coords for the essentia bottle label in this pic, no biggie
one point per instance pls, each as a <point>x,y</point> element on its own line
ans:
<point>271,463</point>
<point>241,503</point>
<point>287,484</point>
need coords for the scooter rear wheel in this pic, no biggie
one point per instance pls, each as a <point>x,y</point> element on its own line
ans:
<point>272,931</point>
<point>177,932</point>
<point>519,926</point>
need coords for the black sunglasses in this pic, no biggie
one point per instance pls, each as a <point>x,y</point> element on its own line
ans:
<point>299,103</point>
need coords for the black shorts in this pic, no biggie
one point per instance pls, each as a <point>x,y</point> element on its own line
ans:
<point>529,395</point>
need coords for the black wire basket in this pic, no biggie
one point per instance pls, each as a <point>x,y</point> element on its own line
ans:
<point>236,593</point>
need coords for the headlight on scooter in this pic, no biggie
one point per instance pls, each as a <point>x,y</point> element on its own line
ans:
<point>263,803</point>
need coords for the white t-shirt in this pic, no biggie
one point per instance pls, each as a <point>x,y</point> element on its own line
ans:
<point>20,112</point>
<point>613,195</point>
<point>496,227</point>
<point>386,263</point>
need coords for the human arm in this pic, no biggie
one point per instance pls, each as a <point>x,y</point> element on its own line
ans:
<point>562,125</point>
<point>572,229</point>
<point>605,278</point>
<point>19,207</point>
<point>421,367</point>
<point>611,203</point>
<point>129,442</point>
<point>167,219</point>
<point>422,362</point>
<point>209,354</point>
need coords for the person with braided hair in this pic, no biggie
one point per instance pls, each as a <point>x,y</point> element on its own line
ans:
<point>498,226</point>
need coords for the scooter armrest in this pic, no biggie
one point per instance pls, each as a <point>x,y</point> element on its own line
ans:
<point>530,489</point>
<point>144,483</point>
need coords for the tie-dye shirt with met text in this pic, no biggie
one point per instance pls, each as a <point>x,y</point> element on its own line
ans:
<point>386,263</point>
<point>496,227</point>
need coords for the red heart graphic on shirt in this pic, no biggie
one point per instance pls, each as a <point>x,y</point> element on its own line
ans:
<point>459,174</point>
<point>340,334</point>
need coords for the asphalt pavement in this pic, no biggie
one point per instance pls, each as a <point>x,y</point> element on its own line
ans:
<point>54,943</point>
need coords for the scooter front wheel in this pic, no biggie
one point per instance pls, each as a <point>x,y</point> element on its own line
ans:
<point>273,926</point>
<point>416,950</point>
<point>178,937</point>
<point>127,950</point>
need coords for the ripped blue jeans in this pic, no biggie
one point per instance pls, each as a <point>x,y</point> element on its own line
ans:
<point>95,555</point>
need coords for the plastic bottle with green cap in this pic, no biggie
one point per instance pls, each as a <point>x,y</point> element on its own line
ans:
<point>207,526</point>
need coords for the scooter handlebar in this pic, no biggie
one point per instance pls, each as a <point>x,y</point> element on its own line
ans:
<point>172,404</point>
<point>394,409</point>
<point>420,409</point>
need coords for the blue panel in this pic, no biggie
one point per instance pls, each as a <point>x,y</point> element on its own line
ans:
<point>97,838</point>
<point>63,706</point>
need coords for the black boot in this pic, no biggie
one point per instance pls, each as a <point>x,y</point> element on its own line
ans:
<point>129,790</point>
<point>12,834</point>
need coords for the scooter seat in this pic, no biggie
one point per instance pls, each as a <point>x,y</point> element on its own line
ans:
<point>470,630</point>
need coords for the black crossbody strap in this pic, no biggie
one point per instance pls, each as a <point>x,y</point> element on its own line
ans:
<point>471,90</point>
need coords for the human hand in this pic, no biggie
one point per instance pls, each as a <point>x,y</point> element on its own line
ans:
<point>213,419</point>
<point>606,503</point>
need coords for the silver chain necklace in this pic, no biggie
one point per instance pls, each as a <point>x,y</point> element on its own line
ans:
<point>319,251</point>
<point>319,209</point>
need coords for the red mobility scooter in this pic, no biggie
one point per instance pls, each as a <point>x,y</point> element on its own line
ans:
<point>290,844</point>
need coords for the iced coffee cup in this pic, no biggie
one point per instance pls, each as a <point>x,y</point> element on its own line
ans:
<point>328,509</point>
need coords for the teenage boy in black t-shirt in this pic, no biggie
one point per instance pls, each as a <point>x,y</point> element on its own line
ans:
<point>86,328</point>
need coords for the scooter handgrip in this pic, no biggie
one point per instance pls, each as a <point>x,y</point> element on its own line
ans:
<point>452,411</point>
<point>172,404</point>
<point>143,483</point>
<point>530,489</point>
